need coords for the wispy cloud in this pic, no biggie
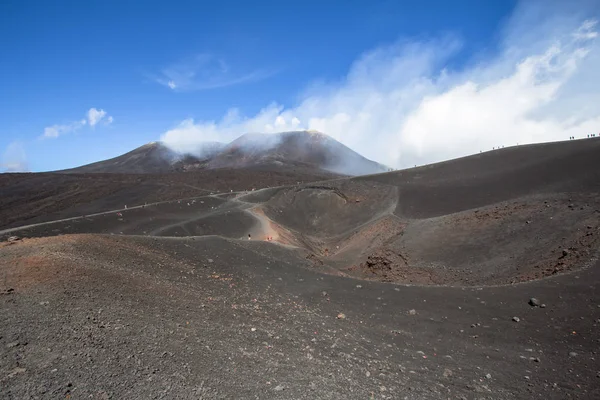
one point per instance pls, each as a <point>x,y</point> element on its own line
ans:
<point>93,117</point>
<point>206,71</point>
<point>55,131</point>
<point>401,105</point>
<point>14,158</point>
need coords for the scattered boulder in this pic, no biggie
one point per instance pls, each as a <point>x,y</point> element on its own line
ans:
<point>341,316</point>
<point>516,319</point>
<point>412,312</point>
<point>572,354</point>
<point>533,302</point>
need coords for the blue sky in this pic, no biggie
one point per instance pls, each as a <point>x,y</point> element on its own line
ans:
<point>84,81</point>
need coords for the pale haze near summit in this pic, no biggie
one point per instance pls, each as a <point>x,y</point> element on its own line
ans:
<point>400,104</point>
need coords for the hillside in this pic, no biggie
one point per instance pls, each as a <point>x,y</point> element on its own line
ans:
<point>302,147</point>
<point>309,151</point>
<point>150,158</point>
<point>472,278</point>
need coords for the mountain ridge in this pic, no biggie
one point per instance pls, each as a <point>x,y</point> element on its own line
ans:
<point>301,149</point>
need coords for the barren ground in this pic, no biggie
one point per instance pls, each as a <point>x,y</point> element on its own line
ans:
<point>399,285</point>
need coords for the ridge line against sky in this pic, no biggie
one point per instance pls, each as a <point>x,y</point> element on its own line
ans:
<point>429,89</point>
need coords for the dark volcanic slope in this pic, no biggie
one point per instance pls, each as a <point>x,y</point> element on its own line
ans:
<point>150,158</point>
<point>311,152</point>
<point>302,147</point>
<point>33,198</point>
<point>173,301</point>
<point>208,318</point>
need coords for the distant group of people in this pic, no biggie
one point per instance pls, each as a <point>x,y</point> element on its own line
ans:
<point>591,135</point>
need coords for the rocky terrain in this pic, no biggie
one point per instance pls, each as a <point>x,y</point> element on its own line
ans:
<point>475,278</point>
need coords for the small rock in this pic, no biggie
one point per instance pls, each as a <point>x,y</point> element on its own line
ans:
<point>565,252</point>
<point>324,294</point>
<point>526,377</point>
<point>368,374</point>
<point>572,354</point>
<point>412,312</point>
<point>488,376</point>
<point>341,316</point>
<point>359,286</point>
<point>16,371</point>
<point>13,239</point>
<point>210,260</point>
<point>527,222</point>
<point>542,305</point>
<point>533,302</point>
<point>253,329</point>
<point>279,388</point>
<point>13,344</point>
<point>516,319</point>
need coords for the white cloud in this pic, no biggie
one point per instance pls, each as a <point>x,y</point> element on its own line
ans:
<point>586,30</point>
<point>93,117</point>
<point>205,71</point>
<point>401,105</point>
<point>55,131</point>
<point>14,158</point>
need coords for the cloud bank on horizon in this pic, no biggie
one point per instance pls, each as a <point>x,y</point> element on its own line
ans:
<point>400,105</point>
